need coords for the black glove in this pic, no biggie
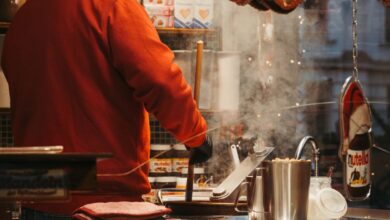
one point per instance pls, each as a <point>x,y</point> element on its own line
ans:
<point>201,153</point>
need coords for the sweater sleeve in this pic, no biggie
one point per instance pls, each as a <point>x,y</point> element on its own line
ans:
<point>148,68</point>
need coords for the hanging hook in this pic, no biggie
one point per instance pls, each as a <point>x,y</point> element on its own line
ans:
<point>354,40</point>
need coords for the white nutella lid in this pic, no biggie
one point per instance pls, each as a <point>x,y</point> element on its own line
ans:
<point>179,147</point>
<point>331,203</point>
<point>160,147</point>
<point>165,179</point>
<point>152,179</point>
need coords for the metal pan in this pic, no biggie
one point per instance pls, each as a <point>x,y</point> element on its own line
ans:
<point>200,206</point>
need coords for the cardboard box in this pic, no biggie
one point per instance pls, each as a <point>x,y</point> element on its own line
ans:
<point>161,16</point>
<point>183,13</point>
<point>203,13</point>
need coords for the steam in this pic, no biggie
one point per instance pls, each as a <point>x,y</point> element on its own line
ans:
<point>273,85</point>
<point>279,83</point>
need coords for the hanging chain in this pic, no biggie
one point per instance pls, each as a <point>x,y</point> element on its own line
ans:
<point>354,39</point>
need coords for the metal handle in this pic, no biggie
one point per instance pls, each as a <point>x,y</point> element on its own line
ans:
<point>198,70</point>
<point>198,76</point>
<point>238,197</point>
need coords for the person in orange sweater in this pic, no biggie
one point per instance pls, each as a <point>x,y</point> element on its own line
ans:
<point>85,75</point>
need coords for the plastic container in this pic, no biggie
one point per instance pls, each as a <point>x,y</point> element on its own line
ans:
<point>180,159</point>
<point>162,165</point>
<point>327,204</point>
<point>318,183</point>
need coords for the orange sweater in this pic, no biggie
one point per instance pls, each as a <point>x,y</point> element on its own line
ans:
<point>83,74</point>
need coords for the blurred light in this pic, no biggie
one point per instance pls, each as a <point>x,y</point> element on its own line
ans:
<point>300,16</point>
<point>372,174</point>
<point>258,115</point>
<point>279,114</point>
<point>299,62</point>
<point>303,51</point>
<point>301,22</point>
<point>264,25</point>
<point>292,61</point>
<point>297,104</point>
<point>249,59</point>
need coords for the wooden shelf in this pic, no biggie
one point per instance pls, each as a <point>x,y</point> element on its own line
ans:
<point>194,31</point>
<point>5,25</point>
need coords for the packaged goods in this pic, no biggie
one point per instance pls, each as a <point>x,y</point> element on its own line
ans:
<point>357,167</point>
<point>203,13</point>
<point>180,159</point>
<point>183,13</point>
<point>200,178</point>
<point>161,15</point>
<point>162,164</point>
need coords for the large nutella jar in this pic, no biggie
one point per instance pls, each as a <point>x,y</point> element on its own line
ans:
<point>152,195</point>
<point>161,165</point>
<point>357,167</point>
<point>180,159</point>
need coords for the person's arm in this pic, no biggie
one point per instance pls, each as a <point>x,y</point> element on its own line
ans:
<point>147,66</point>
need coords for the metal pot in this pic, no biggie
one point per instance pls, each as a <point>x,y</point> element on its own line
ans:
<point>286,188</point>
<point>281,192</point>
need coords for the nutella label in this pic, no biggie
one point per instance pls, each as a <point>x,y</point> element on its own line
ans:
<point>358,168</point>
<point>161,165</point>
<point>179,164</point>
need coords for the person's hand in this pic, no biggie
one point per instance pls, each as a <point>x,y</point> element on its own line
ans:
<point>202,153</point>
<point>241,2</point>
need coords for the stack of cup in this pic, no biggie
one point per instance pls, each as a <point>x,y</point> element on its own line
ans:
<point>325,202</point>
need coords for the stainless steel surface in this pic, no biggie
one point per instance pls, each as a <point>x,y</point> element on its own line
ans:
<point>233,181</point>
<point>315,151</point>
<point>286,189</point>
<point>352,214</point>
<point>365,213</point>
